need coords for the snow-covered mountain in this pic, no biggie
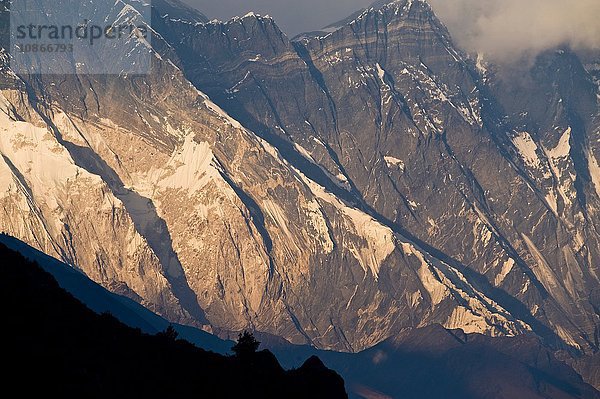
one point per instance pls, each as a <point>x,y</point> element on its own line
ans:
<point>335,190</point>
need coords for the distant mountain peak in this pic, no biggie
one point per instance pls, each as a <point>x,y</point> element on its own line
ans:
<point>400,8</point>
<point>176,9</point>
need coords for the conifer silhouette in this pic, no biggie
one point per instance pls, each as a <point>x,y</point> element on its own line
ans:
<point>246,345</point>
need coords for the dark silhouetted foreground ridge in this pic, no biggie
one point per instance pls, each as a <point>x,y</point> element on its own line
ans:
<point>56,345</point>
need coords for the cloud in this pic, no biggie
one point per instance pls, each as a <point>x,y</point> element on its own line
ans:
<point>511,29</point>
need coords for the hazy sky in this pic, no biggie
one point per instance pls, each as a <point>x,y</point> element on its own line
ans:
<point>292,16</point>
<point>502,29</point>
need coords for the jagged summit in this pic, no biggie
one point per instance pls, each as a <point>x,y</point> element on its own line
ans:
<point>175,9</point>
<point>248,20</point>
<point>381,6</point>
<point>237,19</point>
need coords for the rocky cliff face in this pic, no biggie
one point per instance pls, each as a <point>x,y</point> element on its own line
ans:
<point>345,188</point>
<point>495,176</point>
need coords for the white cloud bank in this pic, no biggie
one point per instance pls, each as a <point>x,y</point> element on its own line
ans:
<point>511,29</point>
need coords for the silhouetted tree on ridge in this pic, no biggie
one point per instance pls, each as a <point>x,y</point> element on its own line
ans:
<point>246,345</point>
<point>169,334</point>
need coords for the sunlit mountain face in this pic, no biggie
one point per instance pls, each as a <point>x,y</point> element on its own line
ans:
<point>375,188</point>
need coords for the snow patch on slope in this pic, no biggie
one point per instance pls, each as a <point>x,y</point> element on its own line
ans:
<point>34,148</point>
<point>464,319</point>
<point>318,222</point>
<point>434,287</point>
<point>191,167</point>
<point>391,161</point>
<point>380,72</point>
<point>506,269</point>
<point>563,148</point>
<point>594,169</point>
<point>527,149</point>
<point>479,313</point>
<point>380,240</point>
